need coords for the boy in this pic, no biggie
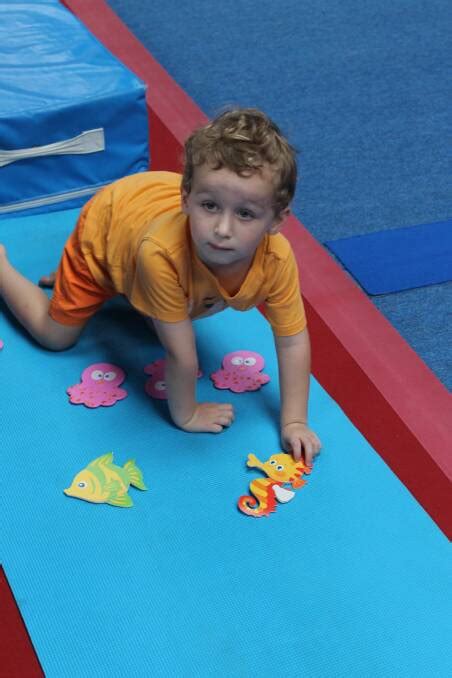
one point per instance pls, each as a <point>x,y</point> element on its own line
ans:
<point>182,250</point>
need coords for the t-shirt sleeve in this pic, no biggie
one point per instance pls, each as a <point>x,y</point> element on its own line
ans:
<point>156,290</point>
<point>283,306</point>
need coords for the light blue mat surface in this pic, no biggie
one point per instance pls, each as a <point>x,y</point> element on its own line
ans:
<point>398,259</point>
<point>351,578</point>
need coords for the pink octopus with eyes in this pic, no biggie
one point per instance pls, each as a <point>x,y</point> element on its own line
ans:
<point>241,372</point>
<point>99,386</point>
<point>155,386</point>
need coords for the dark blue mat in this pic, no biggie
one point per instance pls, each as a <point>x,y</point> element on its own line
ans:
<point>398,259</point>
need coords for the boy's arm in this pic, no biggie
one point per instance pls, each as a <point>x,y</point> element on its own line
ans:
<point>294,362</point>
<point>180,377</point>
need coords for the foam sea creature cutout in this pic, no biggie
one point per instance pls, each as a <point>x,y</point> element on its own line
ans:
<point>280,469</point>
<point>102,482</point>
<point>1,344</point>
<point>241,372</point>
<point>99,386</point>
<point>155,386</point>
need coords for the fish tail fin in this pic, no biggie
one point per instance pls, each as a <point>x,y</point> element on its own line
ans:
<point>134,474</point>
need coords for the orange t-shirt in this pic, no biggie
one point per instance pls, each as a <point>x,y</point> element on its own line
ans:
<point>136,242</point>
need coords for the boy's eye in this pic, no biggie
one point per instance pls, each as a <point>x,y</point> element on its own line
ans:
<point>209,205</point>
<point>245,214</point>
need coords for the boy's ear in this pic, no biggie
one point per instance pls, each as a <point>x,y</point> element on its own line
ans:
<point>184,196</point>
<point>279,220</point>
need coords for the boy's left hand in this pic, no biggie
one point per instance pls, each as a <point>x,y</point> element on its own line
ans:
<point>298,438</point>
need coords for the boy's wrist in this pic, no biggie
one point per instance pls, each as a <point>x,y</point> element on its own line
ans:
<point>182,413</point>
<point>294,421</point>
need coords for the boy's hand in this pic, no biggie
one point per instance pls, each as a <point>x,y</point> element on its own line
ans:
<point>298,438</point>
<point>209,418</point>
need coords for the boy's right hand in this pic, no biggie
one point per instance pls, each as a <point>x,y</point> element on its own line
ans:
<point>181,371</point>
<point>209,418</point>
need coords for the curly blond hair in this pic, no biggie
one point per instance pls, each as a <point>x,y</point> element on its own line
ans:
<point>243,140</point>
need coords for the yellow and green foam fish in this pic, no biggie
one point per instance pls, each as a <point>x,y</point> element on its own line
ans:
<point>102,482</point>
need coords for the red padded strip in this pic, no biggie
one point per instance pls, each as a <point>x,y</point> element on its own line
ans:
<point>17,655</point>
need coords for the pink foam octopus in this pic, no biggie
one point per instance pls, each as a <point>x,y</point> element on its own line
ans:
<point>155,386</point>
<point>241,372</point>
<point>99,386</point>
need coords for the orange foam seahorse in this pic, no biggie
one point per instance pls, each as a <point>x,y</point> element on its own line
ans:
<point>280,468</point>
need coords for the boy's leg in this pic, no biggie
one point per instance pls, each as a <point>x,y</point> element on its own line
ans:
<point>29,304</point>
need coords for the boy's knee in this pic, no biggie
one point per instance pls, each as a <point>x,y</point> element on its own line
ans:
<point>59,337</point>
<point>57,343</point>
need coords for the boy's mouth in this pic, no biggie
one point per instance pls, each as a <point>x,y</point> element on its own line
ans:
<point>219,248</point>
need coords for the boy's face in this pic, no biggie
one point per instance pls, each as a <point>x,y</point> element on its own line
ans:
<point>229,215</point>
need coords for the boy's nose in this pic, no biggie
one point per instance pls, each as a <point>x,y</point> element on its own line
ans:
<point>223,226</point>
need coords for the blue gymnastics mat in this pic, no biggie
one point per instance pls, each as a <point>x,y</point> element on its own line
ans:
<point>351,578</point>
<point>398,259</point>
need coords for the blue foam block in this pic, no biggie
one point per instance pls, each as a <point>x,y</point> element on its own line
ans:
<point>398,259</point>
<point>72,117</point>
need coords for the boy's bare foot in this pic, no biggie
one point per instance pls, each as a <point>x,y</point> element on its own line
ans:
<point>47,280</point>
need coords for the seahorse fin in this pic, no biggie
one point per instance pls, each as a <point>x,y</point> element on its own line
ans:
<point>282,494</point>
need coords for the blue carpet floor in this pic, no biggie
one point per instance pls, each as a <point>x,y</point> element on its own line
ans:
<point>360,89</point>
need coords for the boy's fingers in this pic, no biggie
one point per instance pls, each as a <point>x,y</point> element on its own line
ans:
<point>308,453</point>
<point>307,446</point>
<point>296,449</point>
<point>216,428</point>
<point>222,407</point>
<point>226,416</point>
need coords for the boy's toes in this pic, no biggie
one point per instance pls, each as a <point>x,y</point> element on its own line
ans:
<point>47,280</point>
